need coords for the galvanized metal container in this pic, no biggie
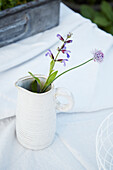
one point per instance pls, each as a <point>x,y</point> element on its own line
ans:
<point>28,19</point>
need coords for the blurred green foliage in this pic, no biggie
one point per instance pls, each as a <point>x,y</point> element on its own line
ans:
<point>103,18</point>
<point>4,4</point>
<point>90,2</point>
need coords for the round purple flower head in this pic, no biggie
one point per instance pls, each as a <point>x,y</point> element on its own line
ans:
<point>98,56</point>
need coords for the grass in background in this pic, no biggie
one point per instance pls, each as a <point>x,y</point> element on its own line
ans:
<point>4,4</point>
<point>103,18</point>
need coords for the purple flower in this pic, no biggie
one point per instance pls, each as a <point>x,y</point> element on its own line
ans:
<point>98,56</point>
<point>50,54</point>
<point>64,47</point>
<point>60,37</point>
<point>66,52</point>
<point>69,35</point>
<point>63,61</point>
<point>69,41</point>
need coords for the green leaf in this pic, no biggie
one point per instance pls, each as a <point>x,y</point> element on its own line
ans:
<point>36,78</point>
<point>51,66</point>
<point>98,14</point>
<point>34,86</point>
<point>109,29</point>
<point>0,4</point>
<point>51,78</point>
<point>102,21</point>
<point>106,8</point>
<point>87,11</point>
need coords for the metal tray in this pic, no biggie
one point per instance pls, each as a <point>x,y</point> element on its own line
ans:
<point>28,19</point>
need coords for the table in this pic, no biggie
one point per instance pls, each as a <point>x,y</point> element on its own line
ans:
<point>91,85</point>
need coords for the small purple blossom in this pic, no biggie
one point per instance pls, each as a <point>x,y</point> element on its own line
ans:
<point>69,41</point>
<point>98,56</point>
<point>69,35</point>
<point>60,37</point>
<point>63,61</point>
<point>64,46</point>
<point>50,54</point>
<point>66,52</point>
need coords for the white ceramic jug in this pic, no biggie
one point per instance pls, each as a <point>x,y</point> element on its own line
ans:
<point>36,113</point>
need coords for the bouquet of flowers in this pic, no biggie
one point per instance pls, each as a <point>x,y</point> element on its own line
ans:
<point>53,74</point>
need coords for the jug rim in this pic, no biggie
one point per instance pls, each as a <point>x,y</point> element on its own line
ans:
<point>30,77</point>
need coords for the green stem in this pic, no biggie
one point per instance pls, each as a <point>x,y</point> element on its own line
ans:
<point>59,51</point>
<point>45,83</point>
<point>68,71</point>
<point>53,67</point>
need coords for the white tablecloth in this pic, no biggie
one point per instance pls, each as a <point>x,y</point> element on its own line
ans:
<point>91,85</point>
